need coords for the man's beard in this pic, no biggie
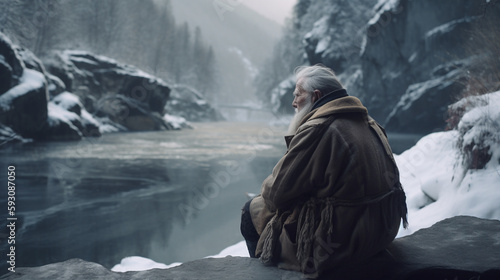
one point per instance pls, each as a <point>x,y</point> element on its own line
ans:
<point>295,122</point>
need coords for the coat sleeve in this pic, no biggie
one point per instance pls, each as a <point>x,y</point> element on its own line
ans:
<point>302,170</point>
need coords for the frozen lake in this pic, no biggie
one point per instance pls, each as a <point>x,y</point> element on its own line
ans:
<point>171,196</point>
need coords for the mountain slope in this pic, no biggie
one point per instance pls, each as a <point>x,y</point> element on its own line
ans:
<point>241,39</point>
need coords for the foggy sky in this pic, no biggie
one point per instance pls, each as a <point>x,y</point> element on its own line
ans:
<point>276,10</point>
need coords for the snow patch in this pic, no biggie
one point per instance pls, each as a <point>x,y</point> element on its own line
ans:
<point>319,33</point>
<point>176,121</point>
<point>381,7</point>
<point>136,263</point>
<point>30,80</point>
<point>67,100</point>
<point>237,250</point>
<point>57,114</point>
<point>447,27</point>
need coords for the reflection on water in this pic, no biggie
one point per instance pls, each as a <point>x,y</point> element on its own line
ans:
<point>169,196</point>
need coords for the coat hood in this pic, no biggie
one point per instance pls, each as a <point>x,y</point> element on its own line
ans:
<point>343,105</point>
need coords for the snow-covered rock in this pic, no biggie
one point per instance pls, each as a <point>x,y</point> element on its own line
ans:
<point>11,65</point>
<point>66,113</point>
<point>23,93</point>
<point>24,106</point>
<point>74,94</point>
<point>479,131</point>
<point>176,122</point>
<point>107,88</point>
<point>62,124</point>
<point>186,102</point>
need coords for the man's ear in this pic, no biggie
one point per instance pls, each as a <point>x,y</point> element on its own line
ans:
<point>316,95</point>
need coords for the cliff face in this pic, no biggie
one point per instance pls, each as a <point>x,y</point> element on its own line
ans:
<point>415,59</point>
<point>327,32</point>
<point>406,60</point>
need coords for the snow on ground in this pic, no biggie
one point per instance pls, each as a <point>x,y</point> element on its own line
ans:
<point>437,187</point>
<point>139,264</point>
<point>437,184</point>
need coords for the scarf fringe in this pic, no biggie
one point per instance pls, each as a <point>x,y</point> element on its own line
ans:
<point>306,227</point>
<point>328,215</point>
<point>267,256</point>
<point>307,223</point>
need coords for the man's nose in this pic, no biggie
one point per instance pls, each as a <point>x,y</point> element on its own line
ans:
<point>294,103</point>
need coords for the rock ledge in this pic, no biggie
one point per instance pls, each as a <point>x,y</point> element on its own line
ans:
<point>457,248</point>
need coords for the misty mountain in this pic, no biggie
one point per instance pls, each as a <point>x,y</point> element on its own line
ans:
<point>241,38</point>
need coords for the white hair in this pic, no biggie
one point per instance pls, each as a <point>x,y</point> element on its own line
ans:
<point>317,77</point>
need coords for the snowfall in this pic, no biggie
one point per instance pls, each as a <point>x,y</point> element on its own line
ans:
<point>434,176</point>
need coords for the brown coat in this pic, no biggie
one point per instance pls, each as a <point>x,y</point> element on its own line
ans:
<point>334,198</point>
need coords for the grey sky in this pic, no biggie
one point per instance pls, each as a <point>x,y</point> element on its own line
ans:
<point>276,10</point>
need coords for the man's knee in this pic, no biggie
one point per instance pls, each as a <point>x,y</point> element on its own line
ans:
<point>247,228</point>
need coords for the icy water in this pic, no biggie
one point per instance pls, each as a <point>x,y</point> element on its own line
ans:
<point>170,196</point>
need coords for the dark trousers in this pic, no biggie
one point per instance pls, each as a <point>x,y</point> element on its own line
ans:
<point>248,230</point>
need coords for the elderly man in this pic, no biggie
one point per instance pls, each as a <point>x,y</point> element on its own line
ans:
<point>334,198</point>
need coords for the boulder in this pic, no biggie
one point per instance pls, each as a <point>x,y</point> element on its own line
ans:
<point>456,248</point>
<point>25,109</point>
<point>62,125</point>
<point>107,88</point>
<point>24,106</point>
<point>11,65</point>
<point>68,119</point>
<point>188,103</point>
<point>23,93</point>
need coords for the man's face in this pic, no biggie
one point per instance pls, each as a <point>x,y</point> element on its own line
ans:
<point>301,98</point>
